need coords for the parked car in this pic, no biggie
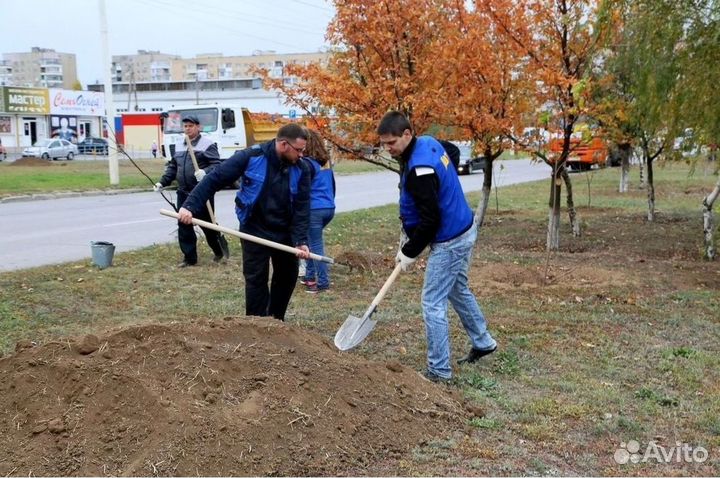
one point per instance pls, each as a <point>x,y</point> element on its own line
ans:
<point>469,164</point>
<point>92,145</point>
<point>3,152</point>
<point>51,149</point>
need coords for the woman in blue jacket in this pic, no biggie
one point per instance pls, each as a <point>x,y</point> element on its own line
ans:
<point>322,210</point>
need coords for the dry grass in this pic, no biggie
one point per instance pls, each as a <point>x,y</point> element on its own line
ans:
<point>621,344</point>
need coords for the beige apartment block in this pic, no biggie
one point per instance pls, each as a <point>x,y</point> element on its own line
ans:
<point>40,67</point>
<point>153,66</point>
<point>145,66</point>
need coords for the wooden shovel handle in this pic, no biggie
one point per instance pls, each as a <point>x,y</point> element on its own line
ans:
<point>248,237</point>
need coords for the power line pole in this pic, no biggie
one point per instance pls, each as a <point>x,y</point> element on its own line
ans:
<point>109,104</point>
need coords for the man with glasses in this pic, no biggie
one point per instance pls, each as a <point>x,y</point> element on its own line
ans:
<point>273,203</point>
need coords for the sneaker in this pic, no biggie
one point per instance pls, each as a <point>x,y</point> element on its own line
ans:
<point>476,354</point>
<point>314,289</point>
<point>435,378</point>
<point>220,259</point>
<point>186,264</point>
<point>308,282</point>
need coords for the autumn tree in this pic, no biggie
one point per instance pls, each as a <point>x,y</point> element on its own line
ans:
<point>382,58</point>
<point>560,40</point>
<point>486,87</point>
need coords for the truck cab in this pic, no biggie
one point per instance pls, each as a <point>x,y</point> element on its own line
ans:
<point>222,124</point>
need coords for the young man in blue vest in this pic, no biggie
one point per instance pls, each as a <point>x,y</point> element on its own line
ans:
<point>434,213</point>
<point>273,203</point>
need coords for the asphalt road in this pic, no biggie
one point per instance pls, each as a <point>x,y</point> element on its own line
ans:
<point>53,231</point>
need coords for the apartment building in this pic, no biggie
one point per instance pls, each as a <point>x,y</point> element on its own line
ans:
<point>154,66</point>
<point>145,66</point>
<point>151,81</point>
<point>40,67</point>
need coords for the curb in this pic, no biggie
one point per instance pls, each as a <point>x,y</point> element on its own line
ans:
<point>69,194</point>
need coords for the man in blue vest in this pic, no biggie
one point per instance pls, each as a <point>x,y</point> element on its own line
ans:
<point>434,213</point>
<point>273,203</point>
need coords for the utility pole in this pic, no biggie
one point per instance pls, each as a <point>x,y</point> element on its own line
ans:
<point>109,104</point>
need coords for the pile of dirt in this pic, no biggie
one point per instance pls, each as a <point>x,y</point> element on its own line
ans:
<point>238,396</point>
<point>31,161</point>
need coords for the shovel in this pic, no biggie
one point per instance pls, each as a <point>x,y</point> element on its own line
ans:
<point>248,237</point>
<point>354,329</point>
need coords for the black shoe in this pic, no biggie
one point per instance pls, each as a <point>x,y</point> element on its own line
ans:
<point>220,259</point>
<point>186,264</point>
<point>433,377</point>
<point>476,354</point>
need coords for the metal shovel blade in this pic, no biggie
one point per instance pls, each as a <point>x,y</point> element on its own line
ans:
<point>353,331</point>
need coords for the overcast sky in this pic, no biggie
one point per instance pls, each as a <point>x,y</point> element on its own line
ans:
<point>229,27</point>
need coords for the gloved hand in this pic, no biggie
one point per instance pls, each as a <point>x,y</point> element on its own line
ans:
<point>158,187</point>
<point>200,174</point>
<point>405,261</point>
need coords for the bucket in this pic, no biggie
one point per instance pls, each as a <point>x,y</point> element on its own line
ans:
<point>102,253</point>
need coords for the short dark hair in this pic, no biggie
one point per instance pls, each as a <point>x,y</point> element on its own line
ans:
<point>394,123</point>
<point>292,132</point>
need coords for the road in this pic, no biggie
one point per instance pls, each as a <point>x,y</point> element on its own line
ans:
<point>44,232</point>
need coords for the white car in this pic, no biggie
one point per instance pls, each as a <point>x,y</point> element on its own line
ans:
<point>51,149</point>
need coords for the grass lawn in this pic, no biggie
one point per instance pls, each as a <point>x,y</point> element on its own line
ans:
<point>614,338</point>
<point>35,176</point>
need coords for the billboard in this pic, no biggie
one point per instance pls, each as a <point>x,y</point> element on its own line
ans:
<point>64,127</point>
<point>76,103</point>
<point>26,100</point>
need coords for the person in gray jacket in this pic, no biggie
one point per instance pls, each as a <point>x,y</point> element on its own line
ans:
<point>181,168</point>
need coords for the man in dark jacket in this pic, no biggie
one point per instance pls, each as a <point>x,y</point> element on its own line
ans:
<point>181,168</point>
<point>273,203</point>
<point>434,213</point>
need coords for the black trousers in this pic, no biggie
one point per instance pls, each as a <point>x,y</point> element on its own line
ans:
<point>186,233</point>
<point>256,268</point>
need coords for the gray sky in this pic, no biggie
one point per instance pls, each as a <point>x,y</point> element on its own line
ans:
<point>230,27</point>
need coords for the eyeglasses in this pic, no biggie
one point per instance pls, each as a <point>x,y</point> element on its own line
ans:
<point>298,150</point>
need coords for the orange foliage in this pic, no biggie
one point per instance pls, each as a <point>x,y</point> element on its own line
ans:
<point>383,58</point>
<point>559,39</point>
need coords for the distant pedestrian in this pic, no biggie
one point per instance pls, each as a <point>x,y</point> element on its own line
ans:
<point>153,149</point>
<point>180,168</point>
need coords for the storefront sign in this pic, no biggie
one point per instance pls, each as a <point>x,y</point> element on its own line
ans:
<point>77,103</point>
<point>26,100</point>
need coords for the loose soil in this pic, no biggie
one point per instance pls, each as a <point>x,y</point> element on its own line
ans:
<point>31,161</point>
<point>238,396</point>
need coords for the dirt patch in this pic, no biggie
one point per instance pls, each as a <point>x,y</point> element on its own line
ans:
<point>239,396</point>
<point>511,276</point>
<point>32,161</point>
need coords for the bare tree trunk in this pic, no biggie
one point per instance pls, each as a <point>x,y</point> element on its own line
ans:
<point>651,191</point>
<point>485,196</point>
<point>625,151</point>
<point>709,223</point>
<point>553,234</point>
<point>641,162</point>
<point>572,213</point>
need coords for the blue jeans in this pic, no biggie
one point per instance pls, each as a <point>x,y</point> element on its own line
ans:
<point>446,278</point>
<point>318,270</point>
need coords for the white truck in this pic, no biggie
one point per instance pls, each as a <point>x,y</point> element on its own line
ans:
<point>230,127</point>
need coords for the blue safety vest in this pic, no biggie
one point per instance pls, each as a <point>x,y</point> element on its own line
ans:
<point>322,188</point>
<point>253,181</point>
<point>455,214</point>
